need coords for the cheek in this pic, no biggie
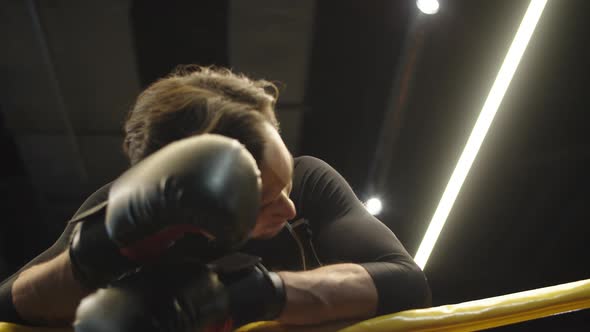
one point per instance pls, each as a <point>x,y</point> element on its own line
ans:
<point>263,225</point>
<point>263,216</point>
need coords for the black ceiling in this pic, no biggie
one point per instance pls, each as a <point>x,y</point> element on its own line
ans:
<point>521,219</point>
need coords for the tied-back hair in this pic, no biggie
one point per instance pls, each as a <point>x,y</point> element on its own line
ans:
<point>196,100</point>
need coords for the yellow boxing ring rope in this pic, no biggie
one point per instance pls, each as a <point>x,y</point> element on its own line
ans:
<point>466,316</point>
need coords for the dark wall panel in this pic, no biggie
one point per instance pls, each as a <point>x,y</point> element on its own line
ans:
<point>179,32</point>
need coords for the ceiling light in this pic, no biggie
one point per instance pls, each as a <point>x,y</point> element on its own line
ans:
<point>428,7</point>
<point>523,35</point>
<point>374,206</point>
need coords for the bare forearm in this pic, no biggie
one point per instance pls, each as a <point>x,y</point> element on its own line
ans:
<point>48,293</point>
<point>334,292</point>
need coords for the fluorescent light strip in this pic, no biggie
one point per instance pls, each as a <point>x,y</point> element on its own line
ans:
<point>490,107</point>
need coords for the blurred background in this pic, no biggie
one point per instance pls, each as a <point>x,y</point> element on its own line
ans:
<point>384,93</point>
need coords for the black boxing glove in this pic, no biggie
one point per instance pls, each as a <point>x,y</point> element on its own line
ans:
<point>254,293</point>
<point>165,297</point>
<point>196,197</point>
<point>186,297</point>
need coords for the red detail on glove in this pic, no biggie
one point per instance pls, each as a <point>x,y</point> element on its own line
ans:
<point>225,326</point>
<point>152,247</point>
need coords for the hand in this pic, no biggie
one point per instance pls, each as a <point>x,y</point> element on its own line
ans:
<point>254,293</point>
<point>162,298</point>
<point>186,297</point>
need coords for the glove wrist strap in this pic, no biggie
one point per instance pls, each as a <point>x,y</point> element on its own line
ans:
<point>95,259</point>
<point>277,304</point>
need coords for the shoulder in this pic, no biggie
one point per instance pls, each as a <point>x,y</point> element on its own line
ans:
<point>319,191</point>
<point>311,173</point>
<point>307,164</point>
<point>309,161</point>
<point>308,168</point>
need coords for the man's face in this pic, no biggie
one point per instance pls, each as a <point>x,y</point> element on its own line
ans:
<point>276,173</point>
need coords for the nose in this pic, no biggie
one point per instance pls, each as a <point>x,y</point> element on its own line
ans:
<point>285,208</point>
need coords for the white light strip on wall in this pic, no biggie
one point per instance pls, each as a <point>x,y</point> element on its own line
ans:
<point>490,107</point>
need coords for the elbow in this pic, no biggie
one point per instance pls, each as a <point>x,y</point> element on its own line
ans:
<point>400,286</point>
<point>421,295</point>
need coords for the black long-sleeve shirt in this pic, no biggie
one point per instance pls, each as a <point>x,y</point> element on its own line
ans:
<point>332,226</point>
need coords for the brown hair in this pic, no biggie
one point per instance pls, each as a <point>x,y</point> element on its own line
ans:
<point>196,100</point>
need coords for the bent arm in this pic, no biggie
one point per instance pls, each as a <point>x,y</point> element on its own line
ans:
<point>352,291</point>
<point>380,276</point>
<point>44,291</point>
<point>334,292</point>
<point>47,293</point>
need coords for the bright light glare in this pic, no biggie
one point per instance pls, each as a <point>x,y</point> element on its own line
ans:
<point>374,206</point>
<point>428,7</point>
<point>523,35</point>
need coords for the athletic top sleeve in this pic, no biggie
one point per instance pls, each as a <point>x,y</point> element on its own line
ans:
<point>342,230</point>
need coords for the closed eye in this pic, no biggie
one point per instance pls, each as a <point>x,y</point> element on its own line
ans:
<point>276,195</point>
